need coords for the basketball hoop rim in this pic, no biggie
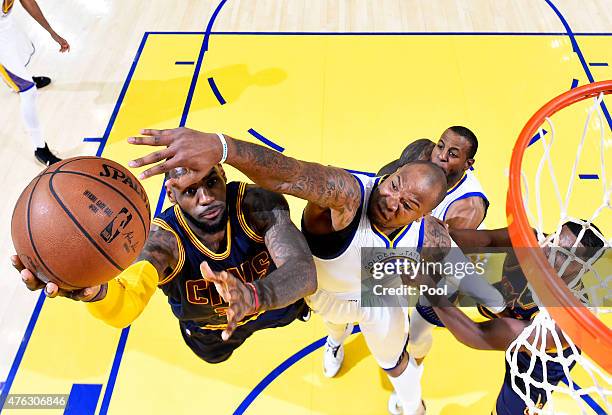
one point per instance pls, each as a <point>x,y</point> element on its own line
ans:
<point>582,326</point>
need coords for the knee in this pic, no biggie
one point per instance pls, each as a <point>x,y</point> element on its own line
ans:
<point>399,368</point>
<point>420,344</point>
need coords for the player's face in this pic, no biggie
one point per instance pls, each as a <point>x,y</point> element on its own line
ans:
<point>204,201</point>
<point>567,239</point>
<point>402,198</point>
<point>451,153</point>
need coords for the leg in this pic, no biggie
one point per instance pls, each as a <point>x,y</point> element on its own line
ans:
<point>338,316</point>
<point>421,338</point>
<point>384,332</point>
<point>14,73</point>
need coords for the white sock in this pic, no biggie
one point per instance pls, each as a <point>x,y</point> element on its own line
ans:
<point>337,333</point>
<point>30,117</point>
<point>408,387</point>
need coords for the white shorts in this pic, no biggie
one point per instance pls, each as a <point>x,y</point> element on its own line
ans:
<point>15,53</point>
<point>384,328</point>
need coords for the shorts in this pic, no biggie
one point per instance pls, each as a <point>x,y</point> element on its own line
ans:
<point>210,347</point>
<point>510,403</point>
<point>15,53</point>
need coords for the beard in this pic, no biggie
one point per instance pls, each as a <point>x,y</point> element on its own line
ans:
<point>210,227</point>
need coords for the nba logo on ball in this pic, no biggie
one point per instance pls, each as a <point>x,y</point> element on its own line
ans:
<point>119,222</point>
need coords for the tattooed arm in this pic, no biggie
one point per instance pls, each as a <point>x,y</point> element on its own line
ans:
<point>327,187</point>
<point>267,213</point>
<point>417,150</point>
<point>161,250</point>
<point>295,275</point>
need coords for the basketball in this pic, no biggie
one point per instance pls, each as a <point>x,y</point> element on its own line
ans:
<point>80,222</point>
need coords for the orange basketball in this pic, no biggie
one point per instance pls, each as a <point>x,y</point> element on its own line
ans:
<point>81,222</point>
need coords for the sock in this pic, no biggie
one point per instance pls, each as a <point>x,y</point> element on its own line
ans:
<point>337,333</point>
<point>30,117</point>
<point>408,387</point>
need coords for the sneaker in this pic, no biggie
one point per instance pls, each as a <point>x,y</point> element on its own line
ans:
<point>305,314</point>
<point>41,81</point>
<point>334,355</point>
<point>45,156</point>
<point>395,406</point>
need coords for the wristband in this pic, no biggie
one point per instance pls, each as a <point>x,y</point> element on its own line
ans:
<point>224,144</point>
<point>255,296</point>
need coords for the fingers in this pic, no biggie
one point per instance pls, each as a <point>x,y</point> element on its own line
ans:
<point>152,158</point>
<point>85,294</point>
<point>209,274</point>
<point>232,323</point>
<point>161,168</point>
<point>52,290</point>
<point>30,280</point>
<point>155,138</point>
<point>17,264</point>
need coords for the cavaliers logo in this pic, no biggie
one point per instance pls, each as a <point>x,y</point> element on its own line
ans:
<point>119,222</point>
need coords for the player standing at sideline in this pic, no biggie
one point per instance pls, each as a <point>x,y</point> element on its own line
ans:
<point>15,53</point>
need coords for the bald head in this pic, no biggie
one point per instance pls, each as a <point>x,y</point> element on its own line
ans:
<point>428,177</point>
<point>411,192</point>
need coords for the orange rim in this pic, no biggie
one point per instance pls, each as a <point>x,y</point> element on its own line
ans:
<point>582,326</point>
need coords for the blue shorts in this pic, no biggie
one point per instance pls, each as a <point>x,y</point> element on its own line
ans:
<point>510,403</point>
<point>210,347</point>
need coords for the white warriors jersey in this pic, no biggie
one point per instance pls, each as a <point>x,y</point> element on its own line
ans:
<point>467,186</point>
<point>342,274</point>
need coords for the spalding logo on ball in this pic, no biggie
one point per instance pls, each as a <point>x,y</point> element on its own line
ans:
<point>81,222</point>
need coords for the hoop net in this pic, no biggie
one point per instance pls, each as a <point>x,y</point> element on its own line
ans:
<point>571,289</point>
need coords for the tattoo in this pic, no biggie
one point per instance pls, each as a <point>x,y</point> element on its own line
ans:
<point>437,241</point>
<point>417,150</point>
<point>325,186</point>
<point>161,250</point>
<point>295,276</point>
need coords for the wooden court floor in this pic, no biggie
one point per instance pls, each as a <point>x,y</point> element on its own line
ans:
<point>349,99</point>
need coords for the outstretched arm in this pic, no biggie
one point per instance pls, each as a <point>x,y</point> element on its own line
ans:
<point>328,187</point>
<point>34,10</point>
<point>496,334</point>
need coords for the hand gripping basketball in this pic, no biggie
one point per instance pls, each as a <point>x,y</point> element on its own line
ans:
<point>240,297</point>
<point>51,289</point>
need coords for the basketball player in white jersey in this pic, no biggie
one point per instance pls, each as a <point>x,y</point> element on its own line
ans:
<point>463,207</point>
<point>465,204</point>
<point>344,213</point>
<point>15,53</point>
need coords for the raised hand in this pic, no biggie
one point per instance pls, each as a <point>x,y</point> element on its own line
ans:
<point>241,298</point>
<point>197,152</point>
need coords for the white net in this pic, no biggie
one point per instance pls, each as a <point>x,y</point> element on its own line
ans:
<point>538,372</point>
